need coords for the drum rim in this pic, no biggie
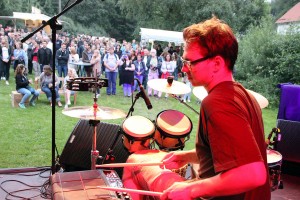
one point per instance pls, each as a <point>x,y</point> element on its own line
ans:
<point>276,153</point>
<point>183,133</point>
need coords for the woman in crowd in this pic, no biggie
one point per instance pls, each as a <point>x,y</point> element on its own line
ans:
<point>22,86</point>
<point>127,78</point>
<point>73,58</point>
<point>47,83</point>
<point>139,71</point>
<point>167,68</point>
<point>20,56</point>
<point>35,63</point>
<point>96,64</point>
<point>6,52</point>
<point>153,65</point>
<point>71,75</point>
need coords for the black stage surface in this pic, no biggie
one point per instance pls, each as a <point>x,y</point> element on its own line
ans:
<point>34,182</point>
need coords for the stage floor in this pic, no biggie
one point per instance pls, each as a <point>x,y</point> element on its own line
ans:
<point>34,182</point>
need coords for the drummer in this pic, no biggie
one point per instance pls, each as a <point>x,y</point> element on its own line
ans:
<point>230,147</point>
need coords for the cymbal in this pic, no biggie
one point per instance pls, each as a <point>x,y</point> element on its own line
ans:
<point>162,85</point>
<point>200,92</point>
<point>262,101</point>
<point>87,112</point>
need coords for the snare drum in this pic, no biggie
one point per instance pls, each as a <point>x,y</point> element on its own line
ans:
<point>137,133</point>
<point>274,159</point>
<point>173,130</point>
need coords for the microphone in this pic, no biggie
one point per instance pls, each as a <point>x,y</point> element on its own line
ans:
<point>144,96</point>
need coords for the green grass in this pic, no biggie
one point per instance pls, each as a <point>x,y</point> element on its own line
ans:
<point>25,135</point>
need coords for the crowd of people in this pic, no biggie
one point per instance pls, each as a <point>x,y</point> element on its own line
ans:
<point>102,57</point>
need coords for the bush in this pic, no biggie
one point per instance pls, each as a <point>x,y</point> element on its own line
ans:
<point>267,59</point>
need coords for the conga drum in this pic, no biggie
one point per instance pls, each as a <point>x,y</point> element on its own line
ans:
<point>173,129</point>
<point>137,133</point>
<point>274,159</point>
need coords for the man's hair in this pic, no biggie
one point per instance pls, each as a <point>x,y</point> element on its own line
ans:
<point>214,36</point>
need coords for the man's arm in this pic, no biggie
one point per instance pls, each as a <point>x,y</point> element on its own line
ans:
<point>233,181</point>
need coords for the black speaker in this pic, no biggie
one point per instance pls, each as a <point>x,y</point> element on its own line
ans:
<point>289,145</point>
<point>76,154</point>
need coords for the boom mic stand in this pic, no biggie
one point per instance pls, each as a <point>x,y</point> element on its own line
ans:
<point>54,26</point>
<point>109,155</point>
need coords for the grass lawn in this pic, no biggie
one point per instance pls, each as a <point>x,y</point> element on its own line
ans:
<point>25,134</point>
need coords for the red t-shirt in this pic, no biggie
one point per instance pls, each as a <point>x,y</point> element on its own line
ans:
<point>231,134</point>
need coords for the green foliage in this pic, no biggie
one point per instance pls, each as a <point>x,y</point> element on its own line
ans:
<point>267,59</point>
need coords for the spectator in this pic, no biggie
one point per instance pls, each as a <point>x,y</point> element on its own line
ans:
<point>86,57</point>
<point>73,58</point>
<point>35,63</point>
<point>6,53</point>
<point>111,62</point>
<point>153,65</point>
<point>71,75</point>
<point>22,86</point>
<point>62,56</point>
<point>96,64</point>
<point>139,71</point>
<point>47,84</point>
<point>167,69</point>
<point>127,77</point>
<point>44,55</point>
<point>20,56</point>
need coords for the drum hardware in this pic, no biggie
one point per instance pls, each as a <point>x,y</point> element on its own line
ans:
<point>274,160</point>
<point>181,101</point>
<point>93,114</point>
<point>276,138</point>
<point>85,83</point>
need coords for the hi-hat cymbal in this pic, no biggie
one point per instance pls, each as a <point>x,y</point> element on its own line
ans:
<point>162,85</point>
<point>87,112</point>
<point>200,92</point>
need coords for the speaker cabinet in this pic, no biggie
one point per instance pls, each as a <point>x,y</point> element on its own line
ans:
<point>289,145</point>
<point>76,154</point>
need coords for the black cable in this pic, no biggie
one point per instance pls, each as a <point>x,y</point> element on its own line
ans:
<point>42,189</point>
<point>13,193</point>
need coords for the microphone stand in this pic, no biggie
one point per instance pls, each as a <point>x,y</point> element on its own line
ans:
<point>54,26</point>
<point>181,101</point>
<point>109,156</point>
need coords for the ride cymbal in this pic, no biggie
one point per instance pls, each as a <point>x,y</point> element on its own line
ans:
<point>175,87</point>
<point>200,92</point>
<point>87,112</point>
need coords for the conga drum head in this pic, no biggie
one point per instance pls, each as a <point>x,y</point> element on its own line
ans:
<point>137,133</point>
<point>173,122</point>
<point>138,126</point>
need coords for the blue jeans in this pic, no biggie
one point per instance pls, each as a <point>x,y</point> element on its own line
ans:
<point>62,69</point>
<point>27,92</point>
<point>48,93</point>
<point>140,77</point>
<point>112,82</point>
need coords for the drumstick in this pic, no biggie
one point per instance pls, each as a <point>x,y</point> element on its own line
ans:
<point>130,164</point>
<point>144,192</point>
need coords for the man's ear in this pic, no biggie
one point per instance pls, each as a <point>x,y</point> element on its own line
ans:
<point>219,62</point>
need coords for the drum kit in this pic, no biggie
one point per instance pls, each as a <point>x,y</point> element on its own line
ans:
<point>170,130</point>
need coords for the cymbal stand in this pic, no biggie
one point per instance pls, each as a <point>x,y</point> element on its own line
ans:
<point>94,123</point>
<point>131,109</point>
<point>181,101</point>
